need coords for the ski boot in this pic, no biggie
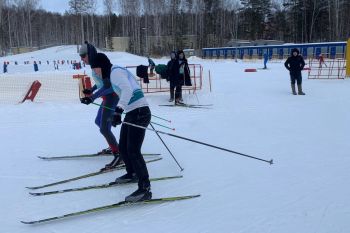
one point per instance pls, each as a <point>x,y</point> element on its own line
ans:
<point>127,178</point>
<point>116,162</point>
<point>143,193</point>
<point>107,151</point>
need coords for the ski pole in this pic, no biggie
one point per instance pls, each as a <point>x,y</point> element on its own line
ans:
<point>151,114</point>
<point>167,148</point>
<point>161,118</point>
<point>203,143</point>
<point>124,113</point>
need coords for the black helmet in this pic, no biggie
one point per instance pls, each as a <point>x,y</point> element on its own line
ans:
<point>90,50</point>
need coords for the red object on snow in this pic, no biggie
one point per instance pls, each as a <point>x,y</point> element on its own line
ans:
<point>250,70</point>
<point>33,90</point>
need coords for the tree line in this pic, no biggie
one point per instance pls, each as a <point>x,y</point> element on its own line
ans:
<point>213,22</point>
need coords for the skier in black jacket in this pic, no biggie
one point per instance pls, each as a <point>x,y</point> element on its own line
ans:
<point>295,64</point>
<point>173,75</point>
<point>184,75</point>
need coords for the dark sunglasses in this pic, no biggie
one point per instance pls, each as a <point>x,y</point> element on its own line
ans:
<point>83,55</point>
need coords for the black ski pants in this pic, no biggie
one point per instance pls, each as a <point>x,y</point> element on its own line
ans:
<point>130,143</point>
<point>295,77</point>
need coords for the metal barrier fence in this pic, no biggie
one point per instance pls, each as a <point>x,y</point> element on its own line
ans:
<point>158,84</point>
<point>323,68</point>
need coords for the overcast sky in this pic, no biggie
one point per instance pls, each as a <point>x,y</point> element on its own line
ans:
<point>61,6</point>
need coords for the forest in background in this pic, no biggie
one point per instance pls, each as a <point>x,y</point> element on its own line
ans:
<point>213,22</point>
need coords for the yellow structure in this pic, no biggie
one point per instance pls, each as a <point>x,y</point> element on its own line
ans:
<point>348,58</point>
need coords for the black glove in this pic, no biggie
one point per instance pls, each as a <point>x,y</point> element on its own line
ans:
<point>86,100</point>
<point>119,110</point>
<point>117,117</point>
<point>87,91</point>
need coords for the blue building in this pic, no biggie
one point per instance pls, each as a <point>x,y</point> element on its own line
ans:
<point>310,50</point>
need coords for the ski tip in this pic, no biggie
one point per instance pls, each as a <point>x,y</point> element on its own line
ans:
<point>34,194</point>
<point>25,222</point>
<point>32,187</point>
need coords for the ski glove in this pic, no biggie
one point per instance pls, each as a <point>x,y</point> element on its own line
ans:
<point>117,116</point>
<point>87,91</point>
<point>86,100</point>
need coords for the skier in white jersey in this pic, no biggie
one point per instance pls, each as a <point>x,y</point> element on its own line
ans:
<point>134,104</point>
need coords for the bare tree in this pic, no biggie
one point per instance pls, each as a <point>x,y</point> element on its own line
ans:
<point>80,7</point>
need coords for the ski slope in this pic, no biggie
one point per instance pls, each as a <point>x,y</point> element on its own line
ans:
<point>304,191</point>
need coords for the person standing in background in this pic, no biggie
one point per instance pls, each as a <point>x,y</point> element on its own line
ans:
<point>5,67</point>
<point>295,64</point>
<point>184,76</point>
<point>35,66</point>
<point>151,65</point>
<point>173,75</point>
<point>266,58</point>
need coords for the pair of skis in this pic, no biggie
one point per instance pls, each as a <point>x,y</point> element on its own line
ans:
<point>205,106</point>
<point>85,156</point>
<point>85,176</point>
<point>112,206</point>
<point>112,184</point>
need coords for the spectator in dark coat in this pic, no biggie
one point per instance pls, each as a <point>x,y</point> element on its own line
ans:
<point>173,75</point>
<point>295,64</point>
<point>184,74</point>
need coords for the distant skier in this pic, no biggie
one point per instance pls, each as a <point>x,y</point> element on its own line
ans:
<point>266,59</point>
<point>5,67</point>
<point>151,65</point>
<point>295,64</point>
<point>101,69</point>
<point>134,104</point>
<point>36,66</point>
<point>321,61</point>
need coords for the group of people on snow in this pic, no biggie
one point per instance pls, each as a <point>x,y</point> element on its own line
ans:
<point>178,74</point>
<point>121,93</point>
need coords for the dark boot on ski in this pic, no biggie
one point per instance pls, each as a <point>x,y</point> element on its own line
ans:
<point>107,151</point>
<point>293,89</point>
<point>141,194</point>
<point>179,102</point>
<point>171,100</point>
<point>116,162</point>
<point>300,90</point>
<point>127,178</point>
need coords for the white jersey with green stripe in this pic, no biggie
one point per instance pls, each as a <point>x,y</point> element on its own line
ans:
<point>125,85</point>
<point>98,80</point>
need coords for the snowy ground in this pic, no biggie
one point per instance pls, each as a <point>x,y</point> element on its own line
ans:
<point>305,191</point>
